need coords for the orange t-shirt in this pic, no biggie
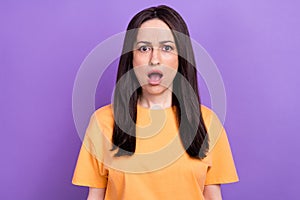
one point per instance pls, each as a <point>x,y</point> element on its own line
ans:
<point>160,168</point>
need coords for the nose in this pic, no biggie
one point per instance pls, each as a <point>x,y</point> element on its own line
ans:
<point>155,57</point>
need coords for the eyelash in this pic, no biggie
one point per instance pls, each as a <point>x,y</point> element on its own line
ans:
<point>143,47</point>
<point>150,48</point>
<point>171,48</point>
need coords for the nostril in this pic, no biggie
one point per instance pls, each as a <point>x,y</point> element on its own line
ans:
<point>154,63</point>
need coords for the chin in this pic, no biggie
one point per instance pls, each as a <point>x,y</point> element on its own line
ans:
<point>155,90</point>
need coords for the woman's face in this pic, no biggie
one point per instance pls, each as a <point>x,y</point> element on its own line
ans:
<point>155,58</point>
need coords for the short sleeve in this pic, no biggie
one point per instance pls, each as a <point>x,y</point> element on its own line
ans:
<point>89,170</point>
<point>222,168</point>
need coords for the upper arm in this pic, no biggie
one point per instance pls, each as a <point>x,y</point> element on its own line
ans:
<point>96,193</point>
<point>90,170</point>
<point>222,167</point>
<point>212,192</point>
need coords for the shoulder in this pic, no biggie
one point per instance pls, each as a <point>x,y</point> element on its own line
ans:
<point>104,111</point>
<point>104,116</point>
<point>208,115</point>
<point>213,125</point>
<point>205,110</point>
<point>210,118</point>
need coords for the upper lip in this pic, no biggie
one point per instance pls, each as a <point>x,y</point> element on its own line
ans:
<point>155,71</point>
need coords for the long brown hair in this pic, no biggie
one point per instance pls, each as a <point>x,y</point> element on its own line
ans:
<point>193,133</point>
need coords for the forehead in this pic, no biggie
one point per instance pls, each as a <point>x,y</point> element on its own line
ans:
<point>154,30</point>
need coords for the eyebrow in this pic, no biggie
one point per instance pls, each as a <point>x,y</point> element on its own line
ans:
<point>161,42</point>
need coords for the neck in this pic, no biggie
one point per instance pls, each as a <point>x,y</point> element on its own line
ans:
<point>161,101</point>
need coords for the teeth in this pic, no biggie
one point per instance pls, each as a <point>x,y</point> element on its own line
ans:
<point>155,74</point>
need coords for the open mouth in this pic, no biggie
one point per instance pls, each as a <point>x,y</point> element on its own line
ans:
<point>155,77</point>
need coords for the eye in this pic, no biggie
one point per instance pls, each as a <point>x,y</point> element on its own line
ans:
<point>144,48</point>
<point>167,48</point>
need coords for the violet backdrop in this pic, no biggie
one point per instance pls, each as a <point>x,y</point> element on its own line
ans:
<point>255,45</point>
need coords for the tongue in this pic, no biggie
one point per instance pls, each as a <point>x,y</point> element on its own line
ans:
<point>154,77</point>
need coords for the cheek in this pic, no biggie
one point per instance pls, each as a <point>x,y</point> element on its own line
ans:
<point>139,59</point>
<point>171,60</point>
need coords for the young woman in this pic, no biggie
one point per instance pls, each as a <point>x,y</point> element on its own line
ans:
<point>156,141</point>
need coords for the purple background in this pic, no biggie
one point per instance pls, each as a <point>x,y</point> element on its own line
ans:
<point>254,43</point>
